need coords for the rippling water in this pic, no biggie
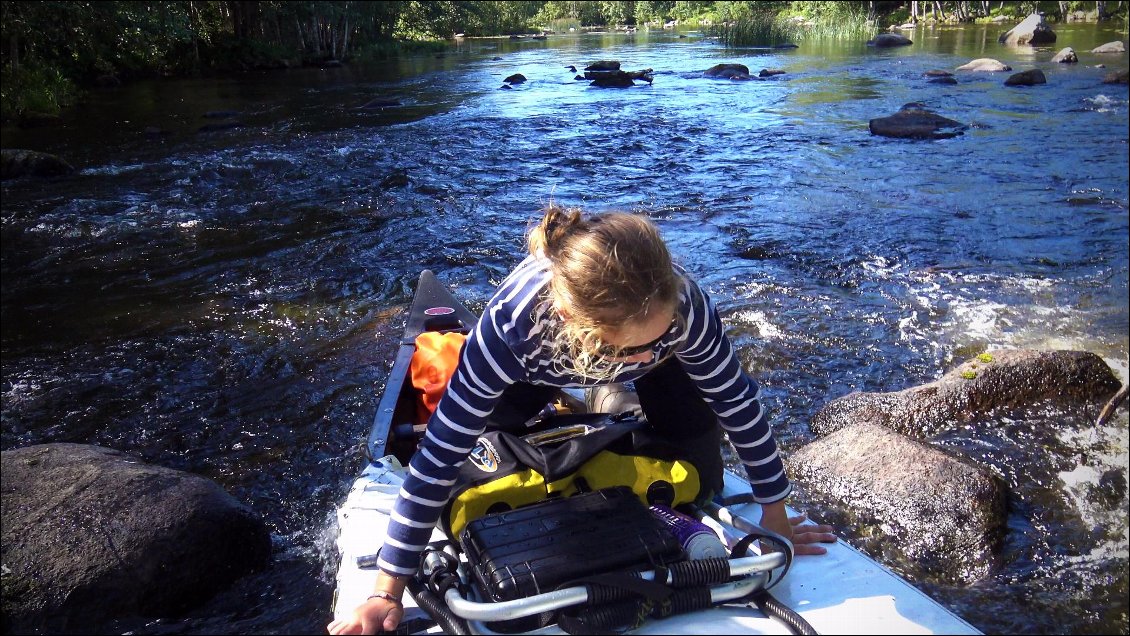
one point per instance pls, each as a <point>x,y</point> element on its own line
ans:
<point>227,302</point>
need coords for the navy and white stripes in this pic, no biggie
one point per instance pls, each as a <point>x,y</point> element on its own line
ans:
<point>511,344</point>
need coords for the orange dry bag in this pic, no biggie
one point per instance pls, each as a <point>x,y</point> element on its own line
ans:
<point>432,366</point>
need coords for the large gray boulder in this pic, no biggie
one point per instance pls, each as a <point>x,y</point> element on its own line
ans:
<point>913,121</point>
<point>1034,31</point>
<point>909,501</point>
<point>1013,378</point>
<point>1110,47</point>
<point>91,534</point>
<point>1117,77</point>
<point>18,163</point>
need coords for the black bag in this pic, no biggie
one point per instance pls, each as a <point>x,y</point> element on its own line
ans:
<point>585,452</point>
<point>555,543</point>
<point>538,548</point>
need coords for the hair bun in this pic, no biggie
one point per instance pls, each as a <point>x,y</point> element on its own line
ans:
<point>557,224</point>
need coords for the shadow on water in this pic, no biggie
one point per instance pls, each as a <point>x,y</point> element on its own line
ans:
<point>227,301</point>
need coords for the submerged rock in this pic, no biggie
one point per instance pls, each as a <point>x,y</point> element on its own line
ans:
<point>618,79</point>
<point>380,103</point>
<point>32,119</point>
<point>91,534</point>
<point>396,179</point>
<point>884,40</point>
<point>1031,77</point>
<point>1117,77</point>
<point>728,71</point>
<point>226,125</point>
<point>915,122</point>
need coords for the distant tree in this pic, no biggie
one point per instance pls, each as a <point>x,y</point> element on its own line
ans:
<point>654,10</point>
<point>617,11</point>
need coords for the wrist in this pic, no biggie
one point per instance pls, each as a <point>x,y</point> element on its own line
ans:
<point>777,508</point>
<point>388,596</point>
<point>391,584</point>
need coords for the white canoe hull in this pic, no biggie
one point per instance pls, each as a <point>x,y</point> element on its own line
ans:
<point>841,592</point>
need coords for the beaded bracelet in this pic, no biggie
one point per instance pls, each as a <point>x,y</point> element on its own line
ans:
<point>386,596</point>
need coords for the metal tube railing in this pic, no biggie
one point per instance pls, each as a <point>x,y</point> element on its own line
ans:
<point>754,568</point>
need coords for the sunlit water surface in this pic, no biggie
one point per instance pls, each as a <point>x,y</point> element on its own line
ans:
<point>227,302</point>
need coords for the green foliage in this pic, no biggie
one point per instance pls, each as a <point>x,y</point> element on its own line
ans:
<point>615,12</point>
<point>658,11</point>
<point>500,18</point>
<point>235,53</point>
<point>442,18</point>
<point>49,47</point>
<point>901,15</point>
<point>563,13</point>
<point>730,10</point>
<point>587,12</point>
<point>829,11</point>
<point>691,10</point>
<point>34,89</point>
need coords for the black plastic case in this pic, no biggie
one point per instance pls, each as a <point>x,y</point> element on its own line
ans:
<point>537,548</point>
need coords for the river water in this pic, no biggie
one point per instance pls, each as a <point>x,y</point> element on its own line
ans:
<point>228,302</point>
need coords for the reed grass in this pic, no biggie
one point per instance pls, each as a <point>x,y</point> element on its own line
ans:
<point>757,30</point>
<point>562,25</point>
<point>841,21</point>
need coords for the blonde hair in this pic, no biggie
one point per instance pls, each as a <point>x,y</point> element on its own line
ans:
<point>608,270</point>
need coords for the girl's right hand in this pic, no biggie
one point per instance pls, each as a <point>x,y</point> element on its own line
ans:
<point>371,617</point>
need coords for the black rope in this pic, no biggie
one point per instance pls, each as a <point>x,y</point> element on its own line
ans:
<point>741,549</point>
<point>688,600</point>
<point>774,608</point>
<point>765,601</point>
<point>614,618</point>
<point>616,586</point>
<point>697,572</point>
<point>628,615</point>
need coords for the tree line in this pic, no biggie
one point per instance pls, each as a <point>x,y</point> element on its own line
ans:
<point>47,47</point>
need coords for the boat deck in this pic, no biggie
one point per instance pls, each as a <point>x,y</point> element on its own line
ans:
<point>841,592</point>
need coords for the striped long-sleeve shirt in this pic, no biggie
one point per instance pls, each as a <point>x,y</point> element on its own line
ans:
<point>513,342</point>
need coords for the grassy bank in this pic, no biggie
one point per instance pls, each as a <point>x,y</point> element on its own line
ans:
<point>34,90</point>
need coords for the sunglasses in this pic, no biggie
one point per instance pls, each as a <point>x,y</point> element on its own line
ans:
<point>612,351</point>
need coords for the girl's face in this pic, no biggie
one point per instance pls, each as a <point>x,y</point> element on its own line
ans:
<point>635,341</point>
